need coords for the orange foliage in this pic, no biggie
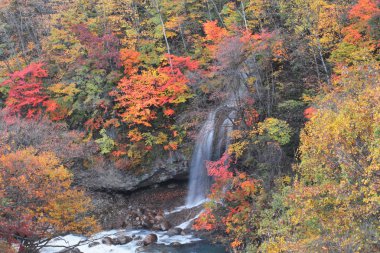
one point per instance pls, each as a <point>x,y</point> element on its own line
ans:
<point>219,41</point>
<point>360,14</point>
<point>363,10</point>
<point>169,112</point>
<point>352,35</point>
<point>205,221</point>
<point>309,112</point>
<point>93,124</point>
<point>213,32</point>
<point>37,201</point>
<point>142,95</point>
<point>130,60</point>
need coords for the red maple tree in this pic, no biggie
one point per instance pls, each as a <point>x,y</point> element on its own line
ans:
<point>27,96</point>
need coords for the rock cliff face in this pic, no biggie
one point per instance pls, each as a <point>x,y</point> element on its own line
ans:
<point>111,179</point>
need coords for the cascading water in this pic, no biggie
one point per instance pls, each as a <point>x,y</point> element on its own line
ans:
<point>199,180</point>
<point>212,141</point>
<point>223,138</point>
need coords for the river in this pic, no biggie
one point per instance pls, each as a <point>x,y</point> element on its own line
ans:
<point>184,243</point>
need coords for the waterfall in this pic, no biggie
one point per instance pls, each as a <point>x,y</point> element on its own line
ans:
<point>223,138</point>
<point>199,179</point>
<point>211,143</point>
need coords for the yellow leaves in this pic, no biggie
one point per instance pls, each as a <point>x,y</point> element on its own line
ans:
<point>238,148</point>
<point>161,138</point>
<point>337,192</point>
<point>64,90</point>
<point>328,27</point>
<point>65,207</point>
<point>38,186</point>
<point>236,134</point>
<point>174,22</point>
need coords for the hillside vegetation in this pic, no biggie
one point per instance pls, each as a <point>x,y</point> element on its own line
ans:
<point>122,82</point>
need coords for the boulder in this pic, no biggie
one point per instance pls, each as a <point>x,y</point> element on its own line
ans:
<point>149,239</point>
<point>107,240</point>
<point>140,243</point>
<point>174,231</point>
<point>156,227</point>
<point>127,224</point>
<point>122,239</point>
<point>93,244</point>
<point>159,218</point>
<point>136,237</point>
<point>146,224</point>
<point>75,250</point>
<point>186,231</point>
<point>165,225</point>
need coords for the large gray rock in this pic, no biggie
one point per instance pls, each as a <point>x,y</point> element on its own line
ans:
<point>122,239</point>
<point>174,231</point>
<point>107,178</point>
<point>93,244</point>
<point>165,225</point>
<point>107,240</point>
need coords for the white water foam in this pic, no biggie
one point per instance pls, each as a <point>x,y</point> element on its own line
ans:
<point>60,243</point>
<point>186,224</point>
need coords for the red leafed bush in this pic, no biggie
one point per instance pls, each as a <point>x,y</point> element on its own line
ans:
<point>231,200</point>
<point>27,96</point>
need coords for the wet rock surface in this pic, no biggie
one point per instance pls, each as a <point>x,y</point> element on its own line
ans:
<point>105,177</point>
<point>107,241</point>
<point>122,239</point>
<point>174,231</point>
<point>165,225</point>
<point>141,218</point>
<point>75,250</point>
<point>150,239</point>
<point>93,244</point>
<point>155,209</point>
<point>142,209</point>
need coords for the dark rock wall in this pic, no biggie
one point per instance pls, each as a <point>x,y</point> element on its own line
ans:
<point>110,179</point>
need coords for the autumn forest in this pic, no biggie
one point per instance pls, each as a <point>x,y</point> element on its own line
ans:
<point>268,111</point>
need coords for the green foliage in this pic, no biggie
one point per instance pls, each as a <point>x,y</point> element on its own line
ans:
<point>290,106</point>
<point>350,54</point>
<point>123,67</point>
<point>276,129</point>
<point>105,143</point>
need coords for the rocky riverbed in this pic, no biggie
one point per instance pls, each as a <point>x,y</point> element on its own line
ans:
<point>153,219</point>
<point>148,208</point>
